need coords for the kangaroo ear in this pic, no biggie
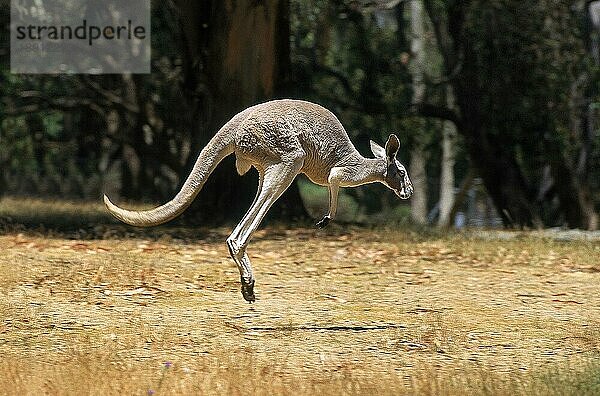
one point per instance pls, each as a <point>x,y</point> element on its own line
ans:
<point>392,146</point>
<point>377,150</point>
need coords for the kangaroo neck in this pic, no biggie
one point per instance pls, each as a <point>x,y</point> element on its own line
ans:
<point>360,170</point>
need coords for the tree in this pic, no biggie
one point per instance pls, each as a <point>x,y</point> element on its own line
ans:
<point>418,159</point>
<point>447,166</point>
<point>236,55</point>
<point>99,133</point>
<point>349,56</point>
<point>509,81</point>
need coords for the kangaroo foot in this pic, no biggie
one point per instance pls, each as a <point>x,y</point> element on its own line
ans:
<point>248,290</point>
<point>323,222</point>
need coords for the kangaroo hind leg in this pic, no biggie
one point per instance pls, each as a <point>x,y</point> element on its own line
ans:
<point>238,255</point>
<point>274,181</point>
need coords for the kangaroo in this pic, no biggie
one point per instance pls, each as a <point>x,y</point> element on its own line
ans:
<point>281,139</point>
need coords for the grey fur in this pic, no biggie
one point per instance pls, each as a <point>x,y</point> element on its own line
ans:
<point>281,139</point>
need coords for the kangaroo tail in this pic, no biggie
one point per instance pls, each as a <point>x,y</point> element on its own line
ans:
<point>219,147</point>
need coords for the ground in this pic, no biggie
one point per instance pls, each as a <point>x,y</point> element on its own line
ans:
<point>113,310</point>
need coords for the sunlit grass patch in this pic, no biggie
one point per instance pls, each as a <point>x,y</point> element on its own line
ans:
<point>346,310</point>
<point>219,373</point>
<point>79,220</point>
<point>43,214</point>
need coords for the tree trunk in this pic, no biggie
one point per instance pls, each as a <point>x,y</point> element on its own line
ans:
<point>491,155</point>
<point>130,174</point>
<point>494,160</point>
<point>238,56</point>
<point>501,175</point>
<point>418,162</point>
<point>418,175</point>
<point>575,199</point>
<point>447,166</point>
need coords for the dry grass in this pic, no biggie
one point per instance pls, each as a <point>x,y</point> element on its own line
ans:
<point>339,312</point>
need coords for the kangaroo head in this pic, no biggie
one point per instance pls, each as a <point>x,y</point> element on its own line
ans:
<point>395,175</point>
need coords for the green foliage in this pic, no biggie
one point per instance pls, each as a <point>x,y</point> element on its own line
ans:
<point>537,84</point>
<point>354,61</point>
<point>316,201</point>
<point>65,135</point>
<point>524,77</point>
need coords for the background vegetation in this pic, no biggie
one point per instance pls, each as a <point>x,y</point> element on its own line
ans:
<point>501,91</point>
<point>341,311</point>
<point>496,103</point>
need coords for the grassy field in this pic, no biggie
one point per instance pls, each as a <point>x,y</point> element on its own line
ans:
<point>90,306</point>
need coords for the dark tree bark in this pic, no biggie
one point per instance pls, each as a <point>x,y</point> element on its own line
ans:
<point>490,154</point>
<point>575,199</point>
<point>490,145</point>
<point>237,55</point>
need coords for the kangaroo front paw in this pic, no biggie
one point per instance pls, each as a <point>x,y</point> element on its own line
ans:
<point>323,222</point>
<point>248,290</point>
